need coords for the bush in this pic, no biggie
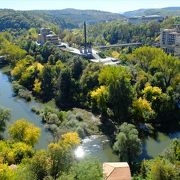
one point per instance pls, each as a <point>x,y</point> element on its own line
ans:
<point>16,87</point>
<point>88,169</point>
<point>35,110</point>
<point>25,94</point>
<point>79,116</point>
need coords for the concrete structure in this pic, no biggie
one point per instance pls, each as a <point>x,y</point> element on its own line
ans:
<point>46,35</point>
<point>170,40</point>
<point>107,61</point>
<point>116,171</point>
<point>86,50</point>
<point>145,19</point>
<point>120,45</point>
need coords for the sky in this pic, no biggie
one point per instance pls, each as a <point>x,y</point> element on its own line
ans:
<point>105,5</point>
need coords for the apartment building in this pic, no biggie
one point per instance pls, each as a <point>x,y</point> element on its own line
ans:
<point>170,40</point>
<point>46,35</point>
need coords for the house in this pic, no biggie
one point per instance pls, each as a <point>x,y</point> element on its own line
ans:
<point>116,171</point>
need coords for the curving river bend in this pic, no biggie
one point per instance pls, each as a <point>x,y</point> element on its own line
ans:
<point>94,146</point>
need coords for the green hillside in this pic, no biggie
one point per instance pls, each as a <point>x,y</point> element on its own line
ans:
<point>67,18</point>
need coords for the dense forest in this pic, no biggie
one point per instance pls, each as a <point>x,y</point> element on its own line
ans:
<point>133,100</point>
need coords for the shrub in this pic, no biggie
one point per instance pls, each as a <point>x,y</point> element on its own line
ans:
<point>25,94</point>
<point>35,110</point>
<point>16,87</point>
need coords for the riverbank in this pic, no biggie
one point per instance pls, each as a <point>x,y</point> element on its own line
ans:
<point>58,122</point>
<point>20,109</point>
<point>94,146</point>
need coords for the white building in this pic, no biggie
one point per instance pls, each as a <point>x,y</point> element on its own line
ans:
<point>145,19</point>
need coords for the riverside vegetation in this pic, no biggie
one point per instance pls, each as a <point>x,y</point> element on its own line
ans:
<point>135,99</point>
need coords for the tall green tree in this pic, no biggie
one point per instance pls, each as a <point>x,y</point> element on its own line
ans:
<point>118,81</point>
<point>88,169</point>
<point>4,117</point>
<point>127,145</point>
<point>65,89</point>
<point>47,83</point>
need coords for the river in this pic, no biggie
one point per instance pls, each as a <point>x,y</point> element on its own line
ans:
<point>21,109</point>
<point>94,146</point>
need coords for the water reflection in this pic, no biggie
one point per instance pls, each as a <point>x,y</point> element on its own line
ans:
<point>99,147</point>
<point>96,147</point>
<point>79,152</point>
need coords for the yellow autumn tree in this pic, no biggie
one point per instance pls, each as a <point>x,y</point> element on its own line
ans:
<point>37,86</point>
<point>152,92</point>
<point>21,66</point>
<point>61,153</point>
<point>99,97</point>
<point>142,110</point>
<point>6,173</point>
<point>115,54</point>
<point>24,131</point>
<point>70,139</point>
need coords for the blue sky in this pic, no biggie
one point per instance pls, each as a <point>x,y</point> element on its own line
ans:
<point>106,5</point>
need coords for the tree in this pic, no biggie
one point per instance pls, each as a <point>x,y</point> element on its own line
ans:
<point>39,165</point>
<point>144,56</point>
<point>24,131</point>
<point>88,169</point>
<point>118,81</point>
<point>76,66</point>
<point>168,65</point>
<point>160,101</point>
<point>12,51</point>
<point>142,110</point>
<point>89,79</point>
<point>161,169</point>
<point>13,153</point>
<point>21,66</point>
<point>5,172</point>
<point>165,166</point>
<point>172,152</point>
<point>47,84</point>
<point>4,117</point>
<point>64,89</point>
<point>100,98</point>
<point>37,86</point>
<point>51,60</point>
<point>61,154</point>
<point>127,145</point>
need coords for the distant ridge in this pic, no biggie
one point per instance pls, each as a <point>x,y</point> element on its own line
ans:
<point>168,11</point>
<point>65,18</point>
<point>76,16</point>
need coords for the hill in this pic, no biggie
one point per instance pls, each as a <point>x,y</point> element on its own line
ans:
<point>67,18</point>
<point>169,11</point>
<point>76,17</point>
<point>11,19</point>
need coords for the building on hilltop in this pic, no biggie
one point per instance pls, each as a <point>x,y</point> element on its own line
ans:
<point>46,35</point>
<point>116,171</point>
<point>170,40</point>
<point>145,19</point>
